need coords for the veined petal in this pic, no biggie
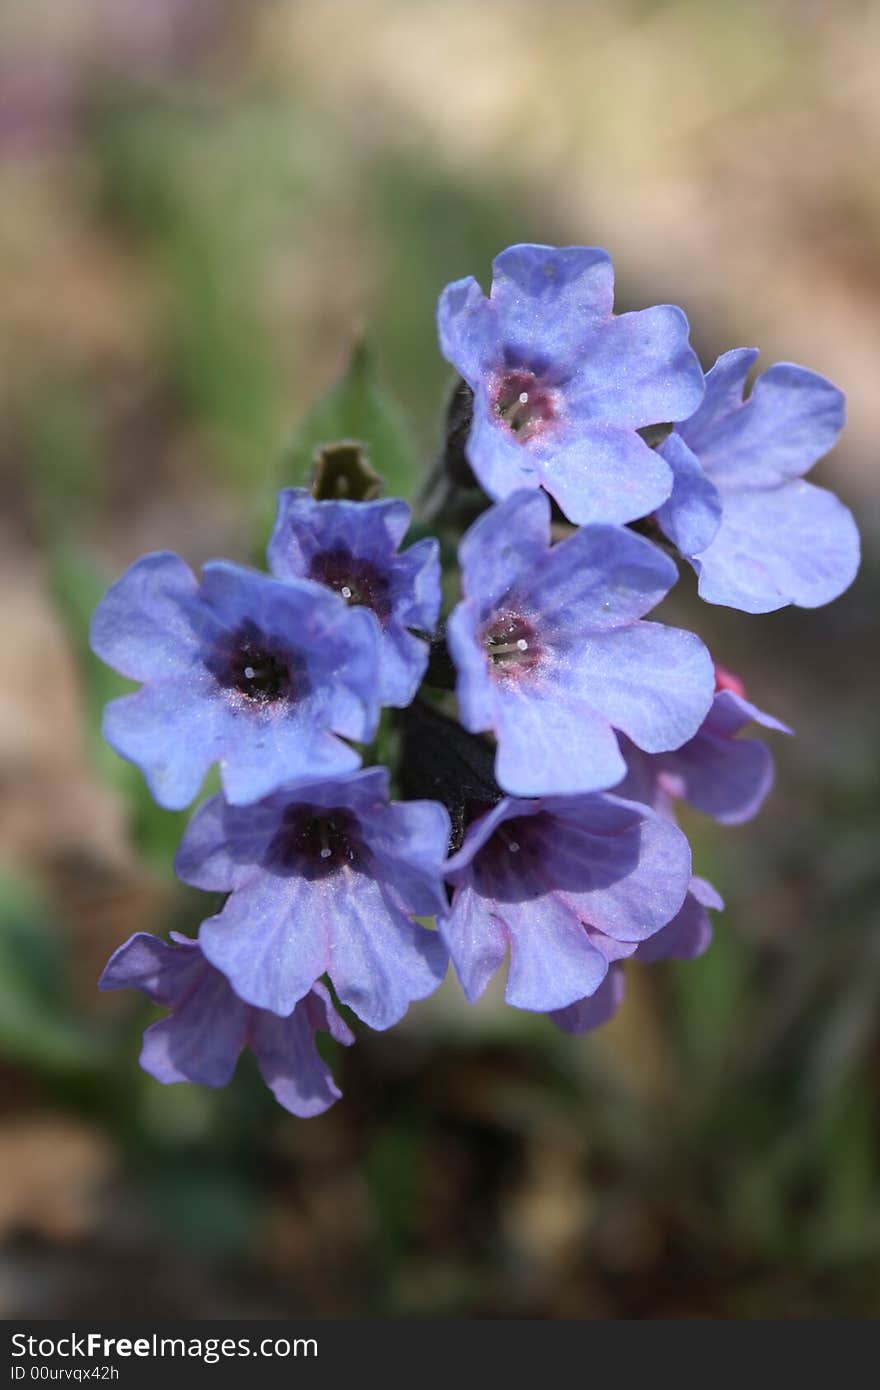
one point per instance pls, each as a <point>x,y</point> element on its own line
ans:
<point>272,938</point>
<point>604,473</point>
<point>173,731</point>
<point>380,960</point>
<point>143,626</point>
<point>552,296</point>
<point>692,515</point>
<point>639,369</point>
<point>290,1063</point>
<point>467,327</point>
<point>790,544</point>
<point>652,682</point>
<point>202,1039</point>
<point>792,418</point>
<point>586,1014</point>
<point>553,743</point>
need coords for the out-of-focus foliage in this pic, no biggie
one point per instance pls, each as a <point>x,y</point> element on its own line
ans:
<point>202,216</point>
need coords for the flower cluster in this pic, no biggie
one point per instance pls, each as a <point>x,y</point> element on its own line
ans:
<point>543,732</point>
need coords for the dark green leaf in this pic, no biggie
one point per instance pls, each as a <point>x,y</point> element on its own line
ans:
<point>356,408</point>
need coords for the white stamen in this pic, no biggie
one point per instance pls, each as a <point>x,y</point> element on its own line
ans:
<point>522,644</point>
<point>513,846</point>
<point>346,591</point>
<point>523,397</point>
<point>326,852</point>
<point>249,672</point>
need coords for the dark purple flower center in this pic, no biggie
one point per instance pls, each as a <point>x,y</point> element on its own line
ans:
<point>511,837</point>
<point>525,404</point>
<point>256,667</point>
<point>511,644</point>
<point>511,866</point>
<point>315,841</point>
<point>358,581</point>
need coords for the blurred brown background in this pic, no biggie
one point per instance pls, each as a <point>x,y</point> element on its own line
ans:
<point>202,204</point>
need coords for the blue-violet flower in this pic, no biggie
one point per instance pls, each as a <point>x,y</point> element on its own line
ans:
<point>552,656</point>
<point>561,384</point>
<point>758,536</point>
<point>242,669</point>
<point>208,1026</point>
<point>352,547</point>
<point>562,883</point>
<point>323,877</point>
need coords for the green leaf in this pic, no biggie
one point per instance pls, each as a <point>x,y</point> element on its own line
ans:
<point>357,408</point>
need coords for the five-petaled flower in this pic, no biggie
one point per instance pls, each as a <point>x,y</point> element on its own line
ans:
<point>758,536</point>
<point>208,1025</point>
<point>562,385</point>
<point>327,876</point>
<point>353,548</point>
<point>258,675</point>
<point>552,655</point>
<point>565,884</point>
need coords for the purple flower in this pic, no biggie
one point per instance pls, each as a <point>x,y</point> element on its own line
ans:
<point>352,547</point>
<point>689,933</point>
<point>242,669</point>
<point>208,1026</point>
<point>566,884</point>
<point>717,773</point>
<point>687,936</point>
<point>552,655</point>
<point>323,877</point>
<point>758,536</point>
<point>561,384</point>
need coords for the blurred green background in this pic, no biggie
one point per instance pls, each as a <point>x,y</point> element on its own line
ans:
<point>203,204</point>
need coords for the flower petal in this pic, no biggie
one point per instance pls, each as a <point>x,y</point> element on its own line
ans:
<point>160,971</point>
<point>552,960</point>
<point>620,867</point>
<point>223,843</point>
<point>289,1061</point>
<point>173,731</point>
<point>795,543</point>
<point>474,688</point>
<point>552,296</point>
<point>552,742</point>
<point>587,1014</point>
<point>408,841</point>
<point>143,626</point>
<point>604,473</point>
<point>792,418</point>
<point>202,1040</point>
<point>689,933</point>
<point>468,328</point>
<point>726,778</point>
<point>380,960</point>
<point>272,937</point>
<point>476,940</point>
<point>599,578</point>
<point>725,384</point>
<point>652,682</point>
<point>504,546</point>
<point>638,369</point>
<point>692,514</point>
